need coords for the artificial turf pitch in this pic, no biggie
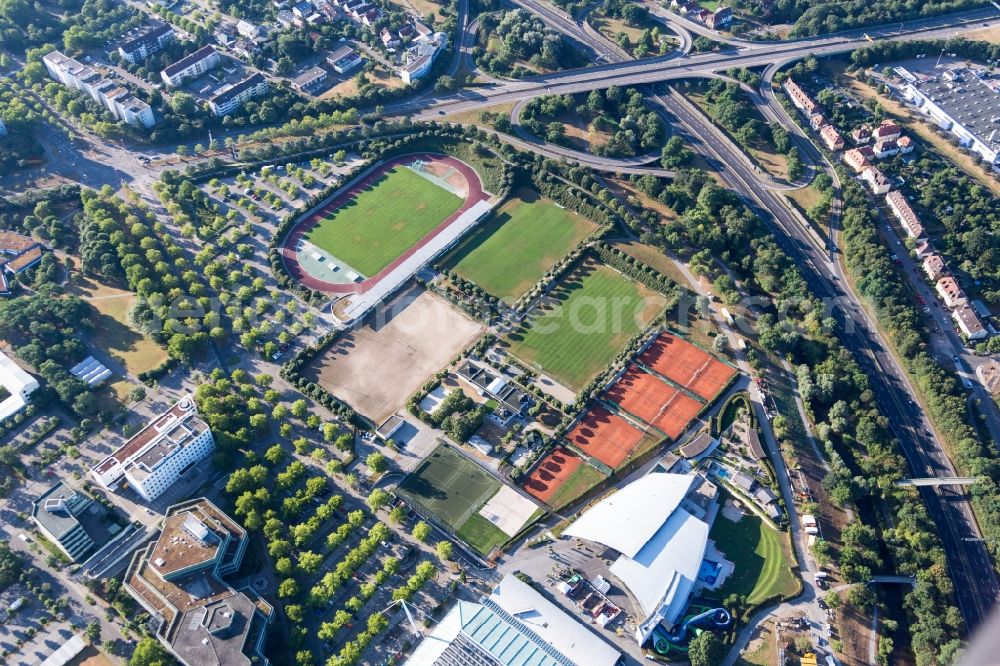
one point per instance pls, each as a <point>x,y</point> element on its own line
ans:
<point>379,224</point>
<point>450,486</point>
<point>511,251</point>
<point>595,312</point>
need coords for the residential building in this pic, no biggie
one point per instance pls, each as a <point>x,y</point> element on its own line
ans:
<point>951,292</point>
<point>424,33</point>
<point>802,101</point>
<point>515,624</point>
<point>831,137</point>
<point>934,266</point>
<point>661,543</point>
<point>923,249</point>
<point>816,121</point>
<point>876,180</point>
<point>18,383</point>
<point>861,135</point>
<point>407,32</point>
<point>159,454</point>
<point>229,98</point>
<point>699,447</point>
<point>285,18</point>
<point>302,9</point>
<point>245,48</point>
<point>344,60</point>
<point>389,40</point>
<point>75,523</point>
<point>18,253</point>
<point>191,66</point>
<point>856,159</point>
<point>226,34</point>
<point>420,57</point>
<point>887,131</point>
<point>720,18</point>
<point>178,580</point>
<point>149,40</point>
<point>247,29</point>
<point>115,98</point>
<point>907,218</point>
<point>967,322</point>
<point>310,80</point>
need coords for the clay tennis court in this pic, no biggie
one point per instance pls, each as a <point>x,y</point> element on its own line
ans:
<point>651,399</point>
<point>686,365</point>
<point>605,436</point>
<point>551,473</point>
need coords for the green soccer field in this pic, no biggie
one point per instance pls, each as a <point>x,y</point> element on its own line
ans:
<point>596,312</point>
<point>450,486</point>
<point>369,232</point>
<point>520,241</point>
<point>760,553</point>
<point>481,534</point>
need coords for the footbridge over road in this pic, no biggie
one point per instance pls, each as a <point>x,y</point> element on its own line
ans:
<point>939,481</point>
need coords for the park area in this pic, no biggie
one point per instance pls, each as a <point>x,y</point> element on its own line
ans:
<point>585,322</point>
<point>687,366</point>
<point>761,555</point>
<point>512,249</point>
<point>561,477</point>
<point>474,504</point>
<point>377,366</point>
<point>652,400</point>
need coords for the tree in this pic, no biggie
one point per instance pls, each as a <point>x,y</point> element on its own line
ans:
<point>421,531</point>
<point>377,499</point>
<point>706,650</point>
<point>275,455</point>
<point>93,633</point>
<point>444,549</point>
<point>377,462</point>
<point>299,408</point>
<point>288,588</point>
<point>149,652</point>
<point>397,515</point>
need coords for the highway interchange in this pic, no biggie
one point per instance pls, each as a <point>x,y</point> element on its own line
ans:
<point>976,584</point>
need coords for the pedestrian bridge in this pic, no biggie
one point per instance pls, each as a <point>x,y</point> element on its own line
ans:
<point>939,481</point>
<point>893,580</point>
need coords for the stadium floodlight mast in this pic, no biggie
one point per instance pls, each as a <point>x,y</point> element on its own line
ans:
<point>409,616</point>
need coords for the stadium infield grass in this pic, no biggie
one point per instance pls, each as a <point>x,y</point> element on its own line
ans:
<point>590,317</point>
<point>450,486</point>
<point>760,553</point>
<point>374,228</point>
<point>511,251</point>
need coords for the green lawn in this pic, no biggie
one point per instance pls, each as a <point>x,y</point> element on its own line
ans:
<point>580,481</point>
<point>595,312</point>
<point>760,553</point>
<point>520,241</point>
<point>382,222</point>
<point>481,534</point>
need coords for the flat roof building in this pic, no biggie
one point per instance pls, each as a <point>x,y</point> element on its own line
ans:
<point>966,108</point>
<point>344,60</point>
<point>75,523</point>
<point>18,384</point>
<point>156,457</point>
<point>115,98</point>
<point>191,66</point>
<point>513,626</point>
<point>420,58</point>
<point>310,79</point>
<point>232,97</point>
<point>178,580</point>
<point>146,42</point>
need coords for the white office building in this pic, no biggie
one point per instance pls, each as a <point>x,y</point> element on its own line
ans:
<point>17,383</point>
<point>420,57</point>
<point>159,454</point>
<point>969,109</point>
<point>122,104</point>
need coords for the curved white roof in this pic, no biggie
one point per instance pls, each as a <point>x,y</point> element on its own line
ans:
<point>667,564</point>
<point>629,518</point>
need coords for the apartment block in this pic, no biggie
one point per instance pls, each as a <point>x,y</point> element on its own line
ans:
<point>230,98</point>
<point>122,104</point>
<point>191,66</point>
<point>149,40</point>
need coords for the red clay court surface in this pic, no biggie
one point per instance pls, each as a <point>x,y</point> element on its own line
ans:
<point>654,401</point>
<point>474,186</point>
<point>686,365</point>
<point>605,436</point>
<point>551,473</point>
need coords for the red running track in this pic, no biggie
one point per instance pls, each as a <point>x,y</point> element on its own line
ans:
<point>475,194</point>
